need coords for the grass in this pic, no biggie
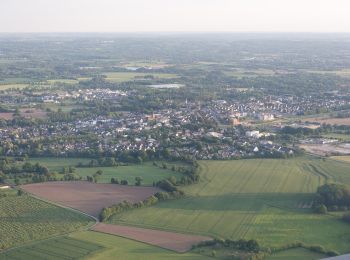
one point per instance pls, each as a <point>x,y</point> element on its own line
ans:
<point>120,248</point>
<point>56,164</point>
<point>340,72</point>
<point>296,253</point>
<point>127,76</point>
<point>241,73</point>
<point>147,171</point>
<point>61,248</point>
<point>342,158</point>
<point>24,219</point>
<point>13,85</point>
<point>64,81</point>
<point>342,137</point>
<point>263,199</point>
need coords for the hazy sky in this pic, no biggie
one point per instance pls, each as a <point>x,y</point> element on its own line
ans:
<point>174,15</point>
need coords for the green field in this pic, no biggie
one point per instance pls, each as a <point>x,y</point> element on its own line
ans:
<point>342,158</point>
<point>24,219</point>
<point>64,81</point>
<point>264,199</point>
<point>127,76</point>
<point>342,137</point>
<point>147,171</point>
<point>296,253</point>
<point>241,73</point>
<point>340,72</point>
<point>13,85</point>
<point>120,248</point>
<point>61,248</point>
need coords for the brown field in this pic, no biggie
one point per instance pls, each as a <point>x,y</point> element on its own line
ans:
<point>88,197</point>
<point>168,240</point>
<point>330,121</point>
<point>327,149</point>
<point>27,113</point>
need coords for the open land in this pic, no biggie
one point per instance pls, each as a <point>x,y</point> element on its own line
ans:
<point>327,149</point>
<point>296,253</point>
<point>61,248</point>
<point>126,76</point>
<point>342,158</point>
<point>87,197</point>
<point>24,219</point>
<point>129,249</point>
<point>169,240</point>
<point>147,171</point>
<point>330,121</point>
<point>27,113</point>
<point>265,199</point>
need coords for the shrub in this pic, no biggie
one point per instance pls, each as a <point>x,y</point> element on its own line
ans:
<point>321,209</point>
<point>124,182</point>
<point>346,217</point>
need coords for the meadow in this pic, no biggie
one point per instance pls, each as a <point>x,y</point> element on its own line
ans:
<point>13,85</point>
<point>345,158</point>
<point>147,171</point>
<point>296,253</point>
<point>24,219</point>
<point>121,248</point>
<point>265,199</point>
<point>60,248</point>
<point>127,76</point>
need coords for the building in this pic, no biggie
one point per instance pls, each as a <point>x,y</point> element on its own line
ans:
<point>254,134</point>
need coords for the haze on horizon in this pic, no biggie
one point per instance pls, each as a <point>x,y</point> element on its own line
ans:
<point>177,16</point>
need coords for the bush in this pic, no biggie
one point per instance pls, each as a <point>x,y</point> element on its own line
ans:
<point>321,209</point>
<point>114,181</point>
<point>166,185</point>
<point>124,182</point>
<point>334,194</point>
<point>346,217</point>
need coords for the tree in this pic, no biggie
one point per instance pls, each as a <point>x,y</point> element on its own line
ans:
<point>124,182</point>
<point>99,172</point>
<point>114,181</point>
<point>346,217</point>
<point>138,181</point>
<point>321,209</point>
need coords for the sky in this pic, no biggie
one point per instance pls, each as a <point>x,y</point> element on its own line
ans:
<point>174,15</point>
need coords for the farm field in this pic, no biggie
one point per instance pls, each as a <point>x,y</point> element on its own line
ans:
<point>327,149</point>
<point>13,85</point>
<point>27,113</point>
<point>88,197</point>
<point>129,249</point>
<point>65,81</point>
<point>24,219</point>
<point>252,198</point>
<point>331,121</point>
<point>126,76</point>
<point>241,73</point>
<point>342,137</point>
<point>169,240</point>
<point>147,171</point>
<point>296,253</point>
<point>342,158</point>
<point>61,248</point>
<point>340,72</point>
